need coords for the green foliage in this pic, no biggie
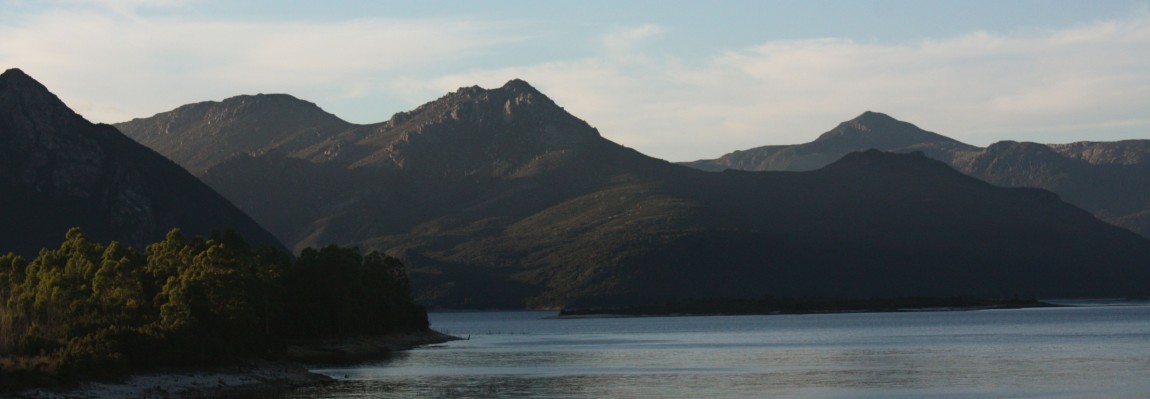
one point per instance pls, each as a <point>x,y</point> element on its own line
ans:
<point>95,309</point>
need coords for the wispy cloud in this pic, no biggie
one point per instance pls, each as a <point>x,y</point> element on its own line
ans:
<point>624,40</point>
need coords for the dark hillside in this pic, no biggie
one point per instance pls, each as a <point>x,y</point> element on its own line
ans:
<point>1109,179</point>
<point>61,171</point>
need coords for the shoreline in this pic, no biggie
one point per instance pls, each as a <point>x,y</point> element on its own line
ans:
<point>257,376</point>
<point>254,376</point>
<point>353,349</point>
<point>784,306</point>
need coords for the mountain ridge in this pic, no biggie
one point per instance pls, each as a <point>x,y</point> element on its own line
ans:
<point>213,123</point>
<point>532,207</point>
<point>1105,178</point>
<point>869,130</point>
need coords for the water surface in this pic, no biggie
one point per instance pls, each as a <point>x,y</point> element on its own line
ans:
<point>1079,352</point>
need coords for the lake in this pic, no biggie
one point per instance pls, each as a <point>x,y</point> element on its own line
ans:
<point>1071,352</point>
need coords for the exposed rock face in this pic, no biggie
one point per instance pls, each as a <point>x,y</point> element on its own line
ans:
<point>499,198</point>
<point>59,171</point>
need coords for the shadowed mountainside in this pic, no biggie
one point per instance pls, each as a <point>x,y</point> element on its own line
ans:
<point>500,198</point>
<point>1109,179</point>
<point>60,171</point>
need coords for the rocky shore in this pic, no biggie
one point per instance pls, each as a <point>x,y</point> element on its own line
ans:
<point>254,376</point>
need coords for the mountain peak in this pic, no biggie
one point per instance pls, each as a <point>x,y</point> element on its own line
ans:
<point>16,82</point>
<point>516,103</point>
<point>518,85</point>
<point>871,121</point>
<point>500,131</point>
<point>876,118</point>
<point>881,131</point>
<point>16,76</point>
<point>20,91</point>
<point>201,135</point>
<point>272,97</point>
<point>13,73</point>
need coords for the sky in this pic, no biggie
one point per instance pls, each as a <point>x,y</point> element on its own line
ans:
<point>678,80</point>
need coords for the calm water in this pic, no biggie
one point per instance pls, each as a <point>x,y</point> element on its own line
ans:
<point>1086,352</point>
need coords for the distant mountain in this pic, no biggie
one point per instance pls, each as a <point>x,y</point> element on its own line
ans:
<point>501,199</point>
<point>1125,152</point>
<point>1112,182</point>
<point>1109,179</point>
<point>59,171</point>
<point>871,130</point>
<point>211,132</point>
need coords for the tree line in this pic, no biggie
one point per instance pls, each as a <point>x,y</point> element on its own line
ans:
<point>87,308</point>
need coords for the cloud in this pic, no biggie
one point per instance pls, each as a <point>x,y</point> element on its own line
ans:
<point>93,54</point>
<point>978,87</point>
<point>124,7</point>
<point>624,40</point>
<point>1086,82</point>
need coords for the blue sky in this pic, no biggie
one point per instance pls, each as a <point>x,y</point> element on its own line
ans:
<point>675,80</point>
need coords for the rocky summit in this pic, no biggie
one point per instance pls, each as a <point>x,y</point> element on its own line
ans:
<point>60,171</point>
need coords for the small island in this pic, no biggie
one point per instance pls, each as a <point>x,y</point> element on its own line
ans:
<point>773,305</point>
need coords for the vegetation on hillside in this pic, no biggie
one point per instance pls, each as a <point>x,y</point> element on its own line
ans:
<point>88,309</point>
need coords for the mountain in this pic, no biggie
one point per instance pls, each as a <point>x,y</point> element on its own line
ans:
<point>1125,152</point>
<point>211,132</point>
<point>1109,179</point>
<point>60,171</point>
<point>498,198</point>
<point>871,130</point>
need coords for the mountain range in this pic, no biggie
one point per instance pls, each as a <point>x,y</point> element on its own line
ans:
<point>60,171</point>
<point>1109,179</point>
<point>499,198</point>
